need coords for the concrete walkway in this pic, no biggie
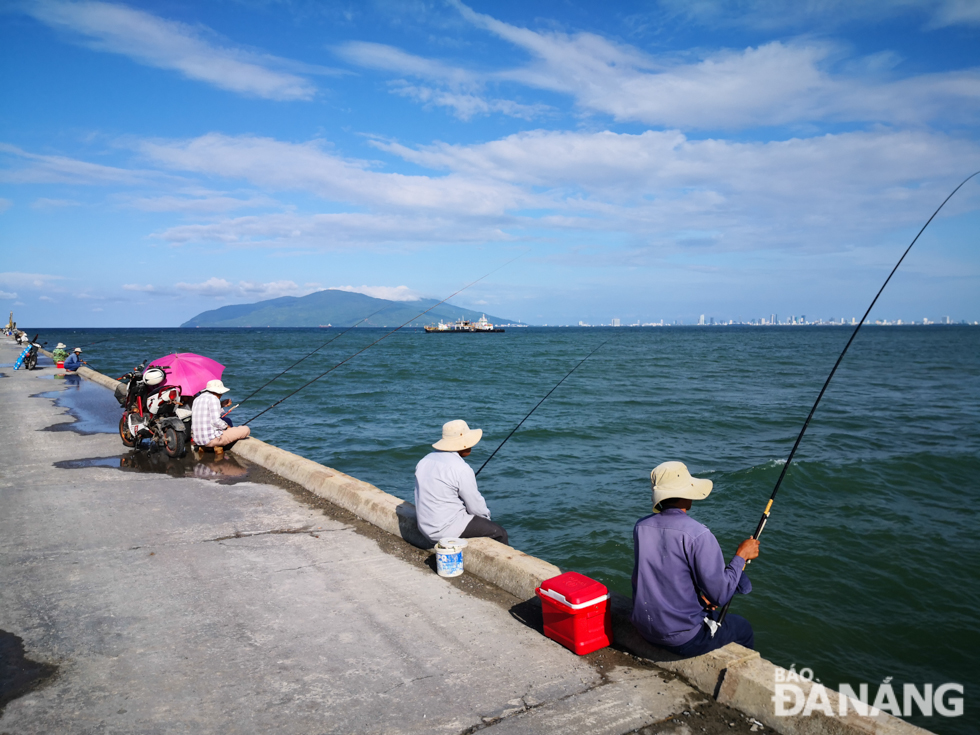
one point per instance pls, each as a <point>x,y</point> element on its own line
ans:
<point>212,603</point>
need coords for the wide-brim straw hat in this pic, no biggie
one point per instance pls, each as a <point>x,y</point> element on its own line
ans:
<point>672,480</point>
<point>457,436</point>
<point>60,346</point>
<point>78,350</point>
<point>216,386</point>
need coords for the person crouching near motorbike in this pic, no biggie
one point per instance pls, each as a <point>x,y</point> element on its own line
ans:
<point>207,428</point>
<point>74,360</point>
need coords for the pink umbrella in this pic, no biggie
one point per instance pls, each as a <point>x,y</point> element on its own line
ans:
<point>191,372</point>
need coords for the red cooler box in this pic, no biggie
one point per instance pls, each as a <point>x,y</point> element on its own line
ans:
<point>576,612</point>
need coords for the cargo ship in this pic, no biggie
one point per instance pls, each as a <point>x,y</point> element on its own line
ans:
<point>465,326</point>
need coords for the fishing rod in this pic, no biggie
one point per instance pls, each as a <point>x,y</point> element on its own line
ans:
<point>348,359</point>
<point>536,408</point>
<point>806,424</point>
<point>312,353</point>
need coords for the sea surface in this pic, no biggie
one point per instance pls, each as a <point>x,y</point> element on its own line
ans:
<point>870,564</point>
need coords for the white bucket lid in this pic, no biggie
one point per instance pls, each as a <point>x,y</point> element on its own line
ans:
<point>451,544</point>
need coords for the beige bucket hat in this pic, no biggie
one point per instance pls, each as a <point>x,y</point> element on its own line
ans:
<point>672,480</point>
<point>216,386</point>
<point>457,436</point>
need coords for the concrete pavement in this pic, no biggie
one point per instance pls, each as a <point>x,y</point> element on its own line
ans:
<point>210,602</point>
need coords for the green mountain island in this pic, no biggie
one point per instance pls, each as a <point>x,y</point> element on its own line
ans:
<point>336,308</point>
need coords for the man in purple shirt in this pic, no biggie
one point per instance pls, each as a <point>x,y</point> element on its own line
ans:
<point>679,572</point>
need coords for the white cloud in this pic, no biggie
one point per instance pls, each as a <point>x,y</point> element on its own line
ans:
<point>200,204</point>
<point>391,293</point>
<point>660,188</point>
<point>64,170</point>
<point>274,164</point>
<point>334,231</point>
<point>45,298</point>
<point>466,105</point>
<point>43,203</point>
<point>220,288</point>
<point>166,44</point>
<point>5,204</point>
<point>775,83</point>
<point>459,89</point>
<point>38,280</point>
<point>767,14</point>
<point>7,295</point>
<point>137,287</point>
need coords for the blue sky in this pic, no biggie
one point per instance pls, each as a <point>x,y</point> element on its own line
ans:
<point>654,160</point>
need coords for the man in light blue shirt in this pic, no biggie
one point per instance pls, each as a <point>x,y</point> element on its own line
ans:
<point>680,576</point>
<point>74,360</point>
<point>447,501</point>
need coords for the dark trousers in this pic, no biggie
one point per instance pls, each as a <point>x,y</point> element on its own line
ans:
<point>735,629</point>
<point>482,527</point>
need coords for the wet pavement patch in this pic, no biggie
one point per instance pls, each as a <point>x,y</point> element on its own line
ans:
<point>95,409</point>
<point>18,674</point>
<point>226,470</point>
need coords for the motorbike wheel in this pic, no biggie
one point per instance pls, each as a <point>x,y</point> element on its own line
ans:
<point>124,433</point>
<point>31,362</point>
<point>173,442</point>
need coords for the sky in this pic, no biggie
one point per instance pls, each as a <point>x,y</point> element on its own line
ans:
<point>640,160</point>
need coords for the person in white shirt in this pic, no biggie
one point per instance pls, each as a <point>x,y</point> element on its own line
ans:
<point>207,428</point>
<point>447,501</point>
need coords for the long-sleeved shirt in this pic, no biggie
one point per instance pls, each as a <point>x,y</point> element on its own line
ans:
<point>675,557</point>
<point>206,423</point>
<point>73,362</point>
<point>446,497</point>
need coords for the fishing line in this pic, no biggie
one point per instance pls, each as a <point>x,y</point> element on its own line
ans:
<point>312,353</point>
<point>348,359</point>
<point>536,408</point>
<point>796,444</point>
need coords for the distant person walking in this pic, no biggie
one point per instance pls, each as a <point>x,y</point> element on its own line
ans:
<point>447,501</point>
<point>74,360</point>
<point>207,428</point>
<point>679,575</point>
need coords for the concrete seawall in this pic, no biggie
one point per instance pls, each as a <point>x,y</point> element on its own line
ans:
<point>733,675</point>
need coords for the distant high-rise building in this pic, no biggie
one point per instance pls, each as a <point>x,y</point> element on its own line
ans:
<point>711,321</point>
<point>947,320</point>
<point>615,322</point>
<point>701,320</point>
<point>772,318</point>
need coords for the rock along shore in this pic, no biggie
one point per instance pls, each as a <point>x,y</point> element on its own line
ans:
<point>183,604</point>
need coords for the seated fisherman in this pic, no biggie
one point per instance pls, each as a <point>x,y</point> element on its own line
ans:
<point>74,360</point>
<point>207,428</point>
<point>679,573</point>
<point>447,502</point>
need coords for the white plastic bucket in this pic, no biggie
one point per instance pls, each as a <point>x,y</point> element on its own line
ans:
<point>449,557</point>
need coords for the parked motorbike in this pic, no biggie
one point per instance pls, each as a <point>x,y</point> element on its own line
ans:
<point>153,410</point>
<point>28,358</point>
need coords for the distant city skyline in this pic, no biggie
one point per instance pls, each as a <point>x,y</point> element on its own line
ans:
<point>648,160</point>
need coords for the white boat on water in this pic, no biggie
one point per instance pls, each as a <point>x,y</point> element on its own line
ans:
<point>481,325</point>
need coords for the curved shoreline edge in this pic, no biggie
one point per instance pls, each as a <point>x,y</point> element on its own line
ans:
<point>733,675</point>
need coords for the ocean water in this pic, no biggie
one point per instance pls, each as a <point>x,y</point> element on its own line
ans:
<point>870,564</point>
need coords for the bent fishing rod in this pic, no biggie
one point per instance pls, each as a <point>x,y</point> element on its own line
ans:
<point>536,408</point>
<point>385,336</point>
<point>806,424</point>
<point>311,354</point>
